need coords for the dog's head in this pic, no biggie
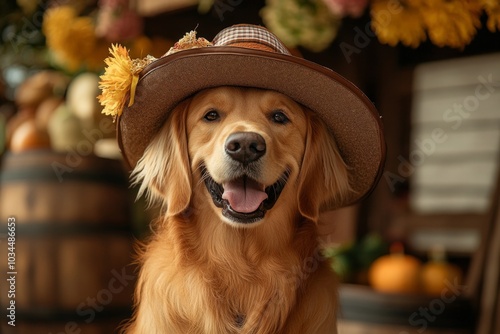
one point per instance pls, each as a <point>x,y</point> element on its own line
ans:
<point>252,153</point>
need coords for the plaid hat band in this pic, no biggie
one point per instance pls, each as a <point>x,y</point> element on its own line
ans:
<point>249,34</point>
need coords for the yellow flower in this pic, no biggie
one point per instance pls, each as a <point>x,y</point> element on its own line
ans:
<point>56,18</point>
<point>120,78</point>
<point>451,23</point>
<point>116,81</point>
<point>69,37</point>
<point>396,22</point>
<point>492,9</point>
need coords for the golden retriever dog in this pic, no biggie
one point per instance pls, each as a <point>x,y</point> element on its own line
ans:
<point>242,175</point>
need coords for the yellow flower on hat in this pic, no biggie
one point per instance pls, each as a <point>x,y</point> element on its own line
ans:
<point>116,81</point>
<point>119,79</point>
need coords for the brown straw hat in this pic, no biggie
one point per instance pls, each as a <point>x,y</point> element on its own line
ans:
<point>247,56</point>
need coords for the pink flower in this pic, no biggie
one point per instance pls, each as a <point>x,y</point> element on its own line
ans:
<point>117,24</point>
<point>353,8</point>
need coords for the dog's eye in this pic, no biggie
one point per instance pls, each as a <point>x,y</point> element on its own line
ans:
<point>211,116</point>
<point>279,117</point>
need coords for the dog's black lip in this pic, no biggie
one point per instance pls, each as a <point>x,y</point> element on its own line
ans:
<point>273,192</point>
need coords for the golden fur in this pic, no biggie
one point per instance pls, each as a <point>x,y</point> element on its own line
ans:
<point>202,272</point>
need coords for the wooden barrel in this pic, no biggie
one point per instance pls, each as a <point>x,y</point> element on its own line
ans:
<point>73,242</point>
<point>365,311</point>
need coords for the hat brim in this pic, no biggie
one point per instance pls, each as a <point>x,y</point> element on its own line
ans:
<point>350,115</point>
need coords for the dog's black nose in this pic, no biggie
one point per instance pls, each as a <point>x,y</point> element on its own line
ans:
<point>245,147</point>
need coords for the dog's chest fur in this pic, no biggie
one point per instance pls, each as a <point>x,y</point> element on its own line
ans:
<point>230,285</point>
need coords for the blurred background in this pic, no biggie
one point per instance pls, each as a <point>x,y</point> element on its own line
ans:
<point>422,253</point>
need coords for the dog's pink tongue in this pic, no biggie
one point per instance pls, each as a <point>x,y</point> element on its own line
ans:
<point>244,194</point>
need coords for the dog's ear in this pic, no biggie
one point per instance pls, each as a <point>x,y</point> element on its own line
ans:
<point>163,172</point>
<point>323,178</point>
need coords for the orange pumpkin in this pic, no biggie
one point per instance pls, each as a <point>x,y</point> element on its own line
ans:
<point>438,272</point>
<point>396,272</point>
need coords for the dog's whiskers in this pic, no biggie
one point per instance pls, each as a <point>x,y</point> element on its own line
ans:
<point>204,174</point>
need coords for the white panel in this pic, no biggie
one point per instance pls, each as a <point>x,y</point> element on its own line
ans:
<point>482,141</point>
<point>450,107</point>
<point>454,146</point>
<point>469,173</point>
<point>456,72</point>
<point>457,203</point>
